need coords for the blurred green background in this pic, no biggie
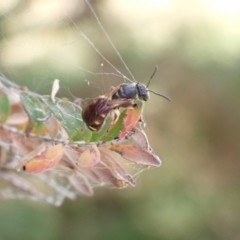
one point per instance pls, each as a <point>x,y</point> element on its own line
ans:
<point>196,45</point>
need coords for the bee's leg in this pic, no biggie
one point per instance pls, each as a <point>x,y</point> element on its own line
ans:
<point>114,114</point>
<point>142,122</point>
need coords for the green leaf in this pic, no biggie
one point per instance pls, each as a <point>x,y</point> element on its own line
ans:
<point>34,109</point>
<point>4,107</point>
<point>116,129</point>
<point>119,126</point>
<point>98,136</point>
<point>69,115</point>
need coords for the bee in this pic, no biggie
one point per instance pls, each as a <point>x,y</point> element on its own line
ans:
<point>134,90</point>
<point>122,96</point>
<point>97,110</point>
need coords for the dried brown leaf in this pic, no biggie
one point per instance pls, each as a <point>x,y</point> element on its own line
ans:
<point>116,169</point>
<point>136,154</point>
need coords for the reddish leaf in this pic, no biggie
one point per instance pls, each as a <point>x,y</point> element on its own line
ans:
<point>90,157</point>
<point>100,173</point>
<point>136,154</point>
<point>132,117</point>
<point>71,155</point>
<point>44,159</point>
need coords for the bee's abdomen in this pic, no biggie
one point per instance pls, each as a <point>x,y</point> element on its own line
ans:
<point>95,113</point>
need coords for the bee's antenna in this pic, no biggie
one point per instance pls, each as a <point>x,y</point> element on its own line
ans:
<point>154,72</point>
<point>149,81</point>
<point>169,99</point>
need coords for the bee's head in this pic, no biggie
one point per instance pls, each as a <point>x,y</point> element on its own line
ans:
<point>142,90</point>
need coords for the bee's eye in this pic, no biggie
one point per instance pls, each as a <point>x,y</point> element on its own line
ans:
<point>142,92</point>
<point>144,96</point>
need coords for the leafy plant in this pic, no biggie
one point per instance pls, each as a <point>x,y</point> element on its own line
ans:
<point>48,153</point>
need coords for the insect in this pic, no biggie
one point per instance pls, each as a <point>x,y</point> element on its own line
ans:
<point>134,90</point>
<point>97,110</point>
<point>122,96</point>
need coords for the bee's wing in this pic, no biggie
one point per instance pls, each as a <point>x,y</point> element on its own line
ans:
<point>112,92</point>
<point>120,102</point>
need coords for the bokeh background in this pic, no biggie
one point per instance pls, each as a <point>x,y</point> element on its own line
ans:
<point>196,45</point>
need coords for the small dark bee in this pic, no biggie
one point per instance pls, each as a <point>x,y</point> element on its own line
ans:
<point>134,90</point>
<point>122,96</point>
